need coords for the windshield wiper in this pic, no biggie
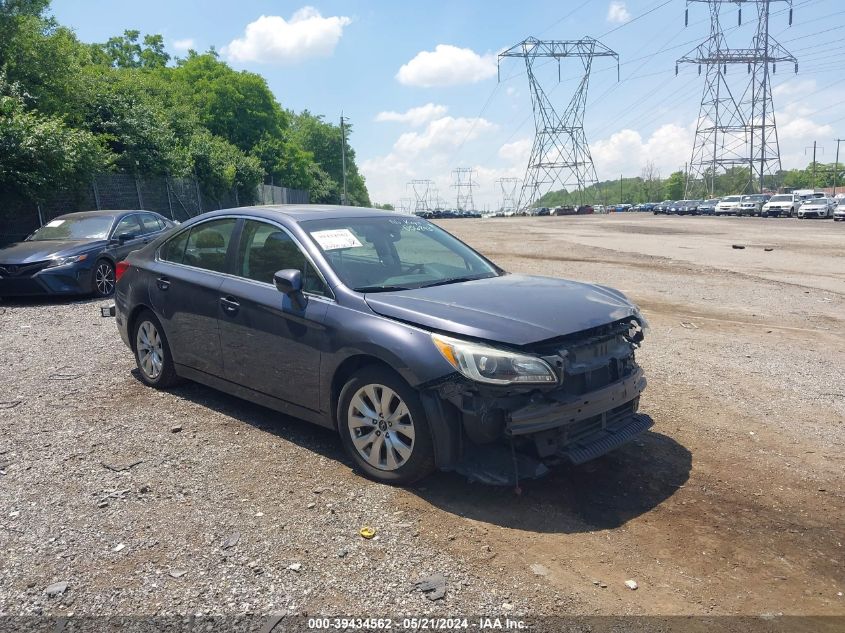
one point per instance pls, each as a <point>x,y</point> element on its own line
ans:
<point>379,288</point>
<point>453,280</point>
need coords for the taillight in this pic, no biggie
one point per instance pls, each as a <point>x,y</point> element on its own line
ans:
<point>119,269</point>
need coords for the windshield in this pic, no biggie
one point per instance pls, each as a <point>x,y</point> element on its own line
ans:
<point>731,199</point>
<point>781,198</point>
<point>75,228</point>
<point>395,253</point>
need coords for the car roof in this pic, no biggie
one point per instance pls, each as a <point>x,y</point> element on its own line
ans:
<point>103,212</point>
<point>303,212</point>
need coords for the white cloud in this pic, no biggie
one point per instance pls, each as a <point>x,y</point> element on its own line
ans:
<point>447,65</point>
<point>617,12</point>
<point>516,152</point>
<point>626,152</point>
<point>272,39</point>
<point>442,133</point>
<point>415,116</point>
<point>423,154</point>
<point>184,45</point>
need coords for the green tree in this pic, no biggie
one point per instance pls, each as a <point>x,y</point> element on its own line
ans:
<point>285,162</point>
<point>324,141</point>
<point>40,56</point>
<point>132,123</point>
<point>674,186</point>
<point>124,51</point>
<point>237,106</point>
<point>221,167</point>
<point>39,152</point>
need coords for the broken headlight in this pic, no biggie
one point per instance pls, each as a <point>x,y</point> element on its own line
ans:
<point>492,365</point>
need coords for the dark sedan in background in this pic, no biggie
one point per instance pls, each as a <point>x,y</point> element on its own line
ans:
<point>419,351</point>
<point>76,253</point>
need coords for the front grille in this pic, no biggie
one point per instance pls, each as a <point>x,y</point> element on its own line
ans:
<point>22,270</point>
<point>574,433</point>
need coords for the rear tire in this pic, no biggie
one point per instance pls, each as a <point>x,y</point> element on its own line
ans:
<point>383,427</point>
<point>152,352</point>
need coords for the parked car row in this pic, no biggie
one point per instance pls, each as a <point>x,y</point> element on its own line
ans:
<point>796,205</point>
<point>446,214</point>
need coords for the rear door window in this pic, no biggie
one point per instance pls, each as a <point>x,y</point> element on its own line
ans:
<point>202,246</point>
<point>208,244</point>
<point>150,223</point>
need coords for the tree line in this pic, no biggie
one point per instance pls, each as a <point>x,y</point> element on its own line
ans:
<point>70,110</point>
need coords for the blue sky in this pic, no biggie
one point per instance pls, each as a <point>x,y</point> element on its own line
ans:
<point>417,79</point>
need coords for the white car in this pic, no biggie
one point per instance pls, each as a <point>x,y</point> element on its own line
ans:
<point>751,205</point>
<point>839,211</point>
<point>817,208</point>
<point>782,205</point>
<point>729,205</point>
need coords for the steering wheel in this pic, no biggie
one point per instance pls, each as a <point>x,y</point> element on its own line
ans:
<point>420,268</point>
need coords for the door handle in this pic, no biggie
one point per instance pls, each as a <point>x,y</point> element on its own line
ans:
<point>230,305</point>
<point>163,283</point>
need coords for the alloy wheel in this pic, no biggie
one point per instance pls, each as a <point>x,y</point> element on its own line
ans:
<point>104,278</point>
<point>381,427</point>
<point>150,350</point>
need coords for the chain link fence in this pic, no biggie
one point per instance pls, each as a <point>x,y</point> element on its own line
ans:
<point>175,198</point>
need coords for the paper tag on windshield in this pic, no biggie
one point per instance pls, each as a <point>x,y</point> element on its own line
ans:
<point>55,223</point>
<point>336,239</point>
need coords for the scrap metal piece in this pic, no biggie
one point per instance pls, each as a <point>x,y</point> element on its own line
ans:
<point>493,464</point>
<point>434,586</point>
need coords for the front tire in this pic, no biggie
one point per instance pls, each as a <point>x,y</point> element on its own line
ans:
<point>383,427</point>
<point>104,279</point>
<point>152,352</point>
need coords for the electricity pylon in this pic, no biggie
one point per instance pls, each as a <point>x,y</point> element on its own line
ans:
<point>509,188</point>
<point>422,194</point>
<point>736,126</point>
<point>462,182</point>
<point>560,154</point>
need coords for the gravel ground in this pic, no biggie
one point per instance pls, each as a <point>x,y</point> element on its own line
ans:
<point>190,501</point>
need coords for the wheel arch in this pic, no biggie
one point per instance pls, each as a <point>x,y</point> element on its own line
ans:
<point>345,371</point>
<point>132,319</point>
<point>444,420</point>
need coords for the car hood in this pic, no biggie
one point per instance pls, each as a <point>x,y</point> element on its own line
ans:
<point>511,309</point>
<point>39,250</point>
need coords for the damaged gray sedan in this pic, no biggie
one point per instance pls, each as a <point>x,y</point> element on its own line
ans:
<point>419,351</point>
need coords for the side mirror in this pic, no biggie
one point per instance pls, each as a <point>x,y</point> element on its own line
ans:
<point>125,237</point>
<point>289,282</point>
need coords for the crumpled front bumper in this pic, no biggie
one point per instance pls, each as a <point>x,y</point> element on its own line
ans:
<point>553,414</point>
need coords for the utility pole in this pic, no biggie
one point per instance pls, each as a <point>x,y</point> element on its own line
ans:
<point>836,164</point>
<point>736,122</point>
<point>814,160</point>
<point>345,199</point>
<point>620,189</point>
<point>560,155</point>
